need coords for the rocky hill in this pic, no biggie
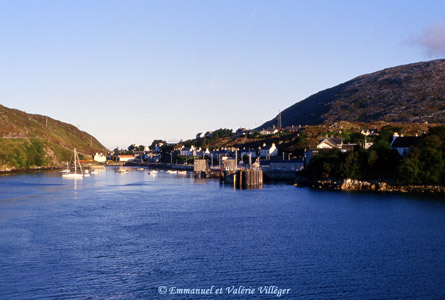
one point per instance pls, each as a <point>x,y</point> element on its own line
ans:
<point>34,141</point>
<point>408,93</point>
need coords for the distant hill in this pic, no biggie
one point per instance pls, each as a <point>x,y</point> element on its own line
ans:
<point>29,141</point>
<point>408,93</point>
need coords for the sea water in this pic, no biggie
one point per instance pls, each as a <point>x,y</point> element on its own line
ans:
<point>170,236</point>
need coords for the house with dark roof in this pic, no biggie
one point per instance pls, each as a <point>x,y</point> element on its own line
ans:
<point>241,132</point>
<point>404,144</point>
<point>330,143</point>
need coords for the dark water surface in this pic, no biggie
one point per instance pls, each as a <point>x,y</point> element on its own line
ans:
<point>127,236</point>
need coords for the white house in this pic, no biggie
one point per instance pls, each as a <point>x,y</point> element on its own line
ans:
<point>330,143</point>
<point>188,151</point>
<point>99,157</point>
<point>269,131</point>
<point>269,151</point>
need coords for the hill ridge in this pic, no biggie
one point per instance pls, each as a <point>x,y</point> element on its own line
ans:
<point>34,140</point>
<point>408,93</point>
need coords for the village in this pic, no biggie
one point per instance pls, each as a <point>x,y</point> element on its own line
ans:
<point>279,153</point>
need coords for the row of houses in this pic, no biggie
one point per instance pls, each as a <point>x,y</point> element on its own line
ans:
<point>401,144</point>
<point>244,132</point>
<point>265,151</point>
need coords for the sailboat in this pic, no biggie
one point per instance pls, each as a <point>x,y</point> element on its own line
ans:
<point>67,170</point>
<point>75,174</point>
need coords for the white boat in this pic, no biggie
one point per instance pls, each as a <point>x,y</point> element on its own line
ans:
<point>122,171</point>
<point>94,172</point>
<point>153,171</point>
<point>140,169</point>
<point>171,171</point>
<point>75,174</point>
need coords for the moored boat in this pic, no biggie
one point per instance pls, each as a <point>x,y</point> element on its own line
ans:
<point>75,174</point>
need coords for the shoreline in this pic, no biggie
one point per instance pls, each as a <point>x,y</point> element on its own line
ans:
<point>354,185</point>
<point>29,170</point>
<point>164,166</point>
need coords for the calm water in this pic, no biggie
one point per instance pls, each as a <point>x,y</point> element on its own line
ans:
<point>127,236</point>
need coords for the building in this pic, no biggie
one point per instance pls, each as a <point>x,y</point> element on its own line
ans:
<point>241,132</point>
<point>99,157</point>
<point>293,128</point>
<point>282,169</point>
<point>247,153</point>
<point>326,144</point>
<point>188,151</point>
<point>269,131</point>
<point>124,158</point>
<point>404,144</point>
<point>330,143</point>
<point>266,151</point>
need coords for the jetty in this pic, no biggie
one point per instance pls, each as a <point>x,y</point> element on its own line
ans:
<point>229,173</point>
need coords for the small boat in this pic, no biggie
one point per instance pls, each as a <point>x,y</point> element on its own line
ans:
<point>67,170</point>
<point>140,169</point>
<point>153,171</point>
<point>182,172</point>
<point>75,174</point>
<point>94,172</point>
<point>86,173</point>
<point>121,171</point>
<point>171,171</point>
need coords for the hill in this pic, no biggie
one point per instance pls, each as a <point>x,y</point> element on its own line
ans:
<point>34,141</point>
<point>408,93</point>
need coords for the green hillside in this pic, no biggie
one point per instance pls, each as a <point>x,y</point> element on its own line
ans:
<point>33,141</point>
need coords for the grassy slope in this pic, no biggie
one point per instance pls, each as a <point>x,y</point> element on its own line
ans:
<point>28,140</point>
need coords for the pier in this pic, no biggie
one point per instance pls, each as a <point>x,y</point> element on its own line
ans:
<point>247,178</point>
<point>230,174</point>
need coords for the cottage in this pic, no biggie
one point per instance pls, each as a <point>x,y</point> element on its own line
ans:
<point>404,144</point>
<point>268,151</point>
<point>330,143</point>
<point>99,157</point>
<point>188,151</point>
<point>241,132</point>
<point>269,131</point>
<point>200,135</point>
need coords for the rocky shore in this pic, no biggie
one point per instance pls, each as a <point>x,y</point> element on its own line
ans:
<point>352,185</point>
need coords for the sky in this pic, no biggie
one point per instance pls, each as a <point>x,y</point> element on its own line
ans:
<point>134,71</point>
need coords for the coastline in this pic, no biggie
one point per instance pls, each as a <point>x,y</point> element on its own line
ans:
<point>28,170</point>
<point>354,185</point>
<point>165,166</point>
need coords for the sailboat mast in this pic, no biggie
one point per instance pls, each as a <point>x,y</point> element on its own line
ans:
<point>75,161</point>
<point>80,166</point>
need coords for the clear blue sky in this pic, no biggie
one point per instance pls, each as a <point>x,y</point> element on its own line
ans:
<point>132,71</point>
